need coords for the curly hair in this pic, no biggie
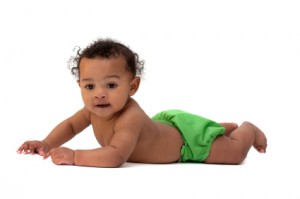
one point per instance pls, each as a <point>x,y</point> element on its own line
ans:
<point>107,48</point>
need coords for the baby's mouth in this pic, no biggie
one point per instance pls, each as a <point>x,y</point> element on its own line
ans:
<point>102,105</point>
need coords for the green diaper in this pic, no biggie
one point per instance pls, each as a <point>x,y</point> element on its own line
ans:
<point>197,132</point>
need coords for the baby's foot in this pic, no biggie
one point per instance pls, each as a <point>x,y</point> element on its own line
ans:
<point>229,127</point>
<point>260,142</point>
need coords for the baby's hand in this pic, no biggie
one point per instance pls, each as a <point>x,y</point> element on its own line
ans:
<point>31,147</point>
<point>62,155</point>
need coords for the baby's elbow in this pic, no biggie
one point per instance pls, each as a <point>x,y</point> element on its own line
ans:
<point>114,162</point>
<point>116,159</point>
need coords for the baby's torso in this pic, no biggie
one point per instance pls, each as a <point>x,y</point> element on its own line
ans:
<point>157,142</point>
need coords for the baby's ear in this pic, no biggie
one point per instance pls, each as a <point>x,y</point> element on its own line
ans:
<point>134,85</point>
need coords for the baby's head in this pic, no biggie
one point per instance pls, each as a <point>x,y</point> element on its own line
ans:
<point>107,48</point>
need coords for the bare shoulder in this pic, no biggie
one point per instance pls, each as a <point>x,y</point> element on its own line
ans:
<point>133,115</point>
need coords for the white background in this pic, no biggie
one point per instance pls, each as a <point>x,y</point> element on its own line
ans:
<point>225,60</point>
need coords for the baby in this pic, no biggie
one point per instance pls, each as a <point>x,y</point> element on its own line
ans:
<point>108,75</point>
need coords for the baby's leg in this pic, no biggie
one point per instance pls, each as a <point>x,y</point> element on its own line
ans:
<point>234,148</point>
<point>229,127</point>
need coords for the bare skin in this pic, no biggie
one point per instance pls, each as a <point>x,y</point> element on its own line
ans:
<point>229,127</point>
<point>124,130</point>
<point>233,148</point>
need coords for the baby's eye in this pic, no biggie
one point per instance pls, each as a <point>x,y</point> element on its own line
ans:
<point>89,86</point>
<point>111,85</point>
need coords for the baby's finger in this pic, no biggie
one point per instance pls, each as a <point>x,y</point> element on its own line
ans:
<point>20,149</point>
<point>23,149</point>
<point>46,155</point>
<point>42,152</point>
<point>56,159</point>
<point>31,149</point>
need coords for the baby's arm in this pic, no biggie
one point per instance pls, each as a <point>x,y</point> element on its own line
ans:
<point>68,128</point>
<point>126,133</point>
<point>62,133</point>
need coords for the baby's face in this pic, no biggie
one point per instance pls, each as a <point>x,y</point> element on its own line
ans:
<point>105,85</point>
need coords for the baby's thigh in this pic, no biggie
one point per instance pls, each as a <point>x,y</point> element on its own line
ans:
<point>224,150</point>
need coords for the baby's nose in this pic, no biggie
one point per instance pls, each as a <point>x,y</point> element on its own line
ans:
<point>100,94</point>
